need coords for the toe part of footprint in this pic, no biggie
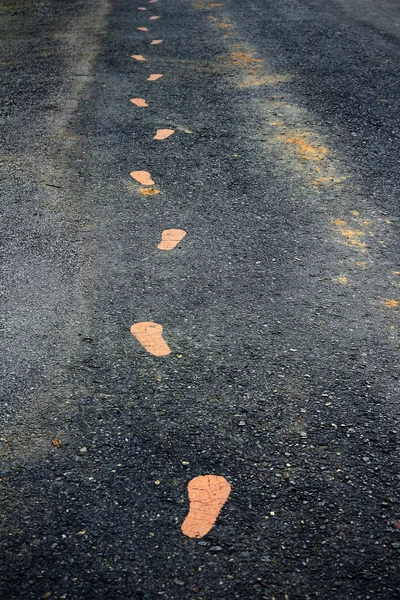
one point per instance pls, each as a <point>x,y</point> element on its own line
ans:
<point>139,102</point>
<point>149,335</point>
<point>207,496</point>
<point>138,57</point>
<point>154,77</point>
<point>171,238</point>
<point>163,134</point>
<point>142,177</point>
<point>142,28</point>
<point>155,42</point>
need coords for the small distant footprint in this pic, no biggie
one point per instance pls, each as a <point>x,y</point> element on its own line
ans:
<point>139,102</point>
<point>138,56</point>
<point>155,42</point>
<point>154,18</point>
<point>171,238</point>
<point>142,28</point>
<point>163,134</point>
<point>154,77</point>
<point>149,334</point>
<point>207,496</point>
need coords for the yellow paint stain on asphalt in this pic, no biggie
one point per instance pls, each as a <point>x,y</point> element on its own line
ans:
<point>391,304</point>
<point>360,263</point>
<point>207,496</point>
<point>171,238</point>
<point>142,28</point>
<point>207,4</point>
<point>149,191</point>
<point>353,236</point>
<point>327,180</point>
<point>163,134</point>
<point>155,42</point>
<point>305,149</point>
<point>138,57</point>
<point>355,213</point>
<point>143,177</point>
<point>141,102</point>
<point>149,335</point>
<point>342,280</point>
<point>224,25</point>
<point>154,77</point>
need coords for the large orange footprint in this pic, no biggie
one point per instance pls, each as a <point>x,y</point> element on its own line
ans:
<point>207,496</point>
<point>149,334</point>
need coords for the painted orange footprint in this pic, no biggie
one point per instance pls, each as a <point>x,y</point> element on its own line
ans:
<point>155,42</point>
<point>149,335</point>
<point>142,177</point>
<point>163,134</point>
<point>207,496</point>
<point>138,56</point>
<point>171,238</point>
<point>141,102</point>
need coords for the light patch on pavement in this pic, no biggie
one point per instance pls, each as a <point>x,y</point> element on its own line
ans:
<point>149,335</point>
<point>163,134</point>
<point>143,177</point>
<point>143,28</point>
<point>154,18</point>
<point>142,8</point>
<point>207,496</point>
<point>154,77</point>
<point>155,42</point>
<point>171,238</point>
<point>139,102</point>
<point>138,57</point>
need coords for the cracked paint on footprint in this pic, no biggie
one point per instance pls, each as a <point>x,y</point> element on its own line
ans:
<point>149,335</point>
<point>207,496</point>
<point>142,28</point>
<point>141,102</point>
<point>143,177</point>
<point>138,57</point>
<point>154,77</point>
<point>171,238</point>
<point>155,42</point>
<point>163,134</point>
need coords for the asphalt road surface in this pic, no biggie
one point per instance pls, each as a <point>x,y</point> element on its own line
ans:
<point>214,308</point>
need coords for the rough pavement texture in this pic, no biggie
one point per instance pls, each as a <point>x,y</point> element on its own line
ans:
<point>278,306</point>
